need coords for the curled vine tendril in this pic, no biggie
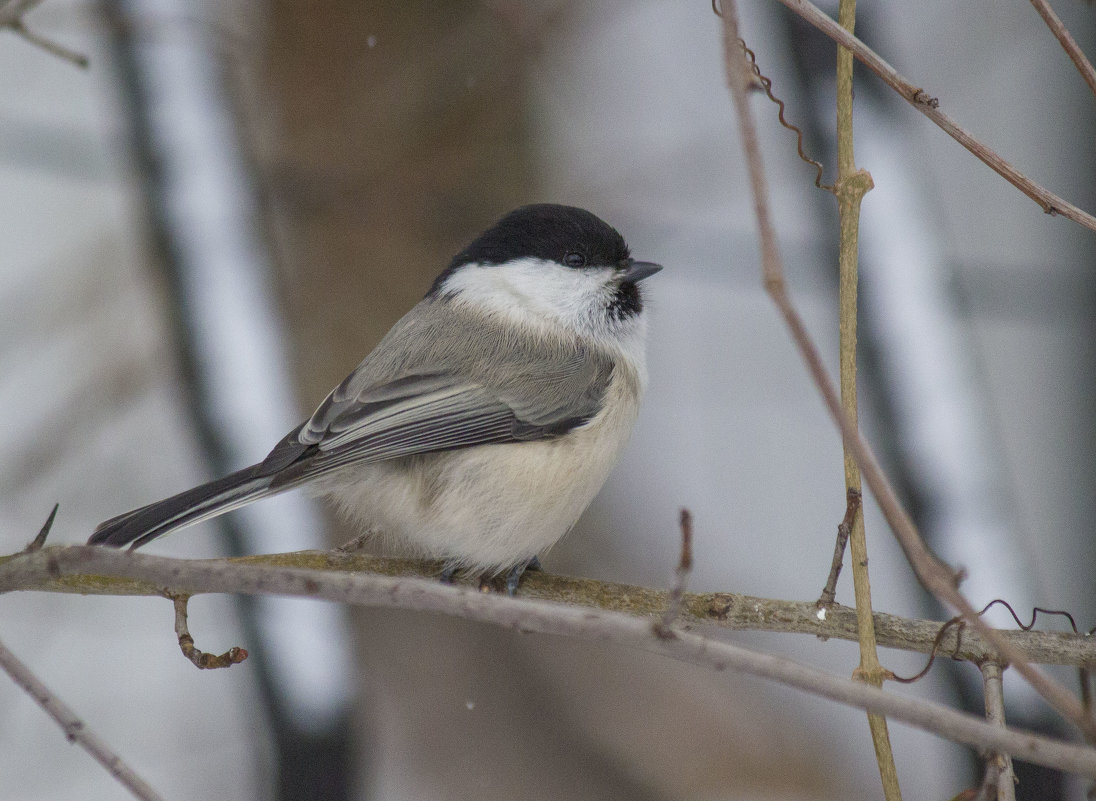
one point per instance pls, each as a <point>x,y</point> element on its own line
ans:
<point>766,84</point>
<point>958,621</point>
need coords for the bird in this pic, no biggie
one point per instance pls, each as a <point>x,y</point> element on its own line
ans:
<point>484,422</point>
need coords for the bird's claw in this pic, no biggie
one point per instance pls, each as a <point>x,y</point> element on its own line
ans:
<point>513,578</point>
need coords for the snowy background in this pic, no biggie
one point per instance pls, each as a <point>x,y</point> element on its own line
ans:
<point>313,165</point>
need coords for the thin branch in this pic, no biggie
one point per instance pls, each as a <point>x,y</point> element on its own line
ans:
<point>201,660</point>
<point>987,790</point>
<point>527,615</point>
<point>1084,674</point>
<point>664,626</point>
<point>731,611</point>
<point>844,528</point>
<point>937,577</point>
<point>11,16</point>
<point>1065,38</point>
<point>74,728</point>
<point>993,689</point>
<point>50,46</point>
<point>14,10</point>
<point>930,107</point>
<point>850,187</point>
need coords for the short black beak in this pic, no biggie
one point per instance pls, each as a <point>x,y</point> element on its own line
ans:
<point>635,271</point>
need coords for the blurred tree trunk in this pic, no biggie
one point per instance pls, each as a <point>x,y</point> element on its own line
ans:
<point>399,131</point>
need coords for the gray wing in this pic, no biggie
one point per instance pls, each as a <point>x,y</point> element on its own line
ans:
<point>386,409</point>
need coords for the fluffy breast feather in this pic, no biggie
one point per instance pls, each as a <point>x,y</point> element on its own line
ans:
<point>490,507</point>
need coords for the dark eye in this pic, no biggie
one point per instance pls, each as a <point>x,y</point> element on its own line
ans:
<point>574,259</point>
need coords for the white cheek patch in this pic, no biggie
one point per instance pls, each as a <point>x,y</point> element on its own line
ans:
<point>531,291</point>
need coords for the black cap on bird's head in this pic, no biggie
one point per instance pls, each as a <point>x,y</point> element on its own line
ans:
<point>549,232</point>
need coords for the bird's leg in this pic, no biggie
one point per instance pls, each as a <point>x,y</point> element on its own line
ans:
<point>513,578</point>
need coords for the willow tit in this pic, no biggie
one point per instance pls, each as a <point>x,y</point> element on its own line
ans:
<point>487,418</point>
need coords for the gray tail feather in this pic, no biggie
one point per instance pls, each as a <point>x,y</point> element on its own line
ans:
<point>201,503</point>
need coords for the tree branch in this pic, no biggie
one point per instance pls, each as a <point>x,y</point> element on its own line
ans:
<point>725,610</point>
<point>850,187</point>
<point>1068,43</point>
<point>936,576</point>
<point>11,16</point>
<point>1001,770</point>
<point>930,107</point>
<point>675,600</point>
<point>190,577</point>
<point>75,729</point>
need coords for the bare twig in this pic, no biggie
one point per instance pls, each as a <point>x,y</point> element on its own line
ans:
<point>74,728</point>
<point>930,107</point>
<point>528,615</point>
<point>664,626</point>
<point>993,688</point>
<point>937,577</point>
<point>850,187</point>
<point>1085,678</point>
<point>15,9</point>
<point>11,16</point>
<point>201,660</point>
<point>1065,38</point>
<point>37,543</point>
<point>844,528</point>
<point>987,790</point>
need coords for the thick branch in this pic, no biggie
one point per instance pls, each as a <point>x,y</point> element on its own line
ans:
<point>721,609</point>
<point>522,614</point>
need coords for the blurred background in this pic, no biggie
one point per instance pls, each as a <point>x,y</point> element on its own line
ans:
<point>208,228</point>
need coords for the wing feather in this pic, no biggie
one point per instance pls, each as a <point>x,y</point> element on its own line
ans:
<point>434,398</point>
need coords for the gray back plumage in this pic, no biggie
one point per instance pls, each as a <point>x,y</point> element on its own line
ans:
<point>423,388</point>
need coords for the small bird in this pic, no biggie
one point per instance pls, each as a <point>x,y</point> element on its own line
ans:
<point>486,419</point>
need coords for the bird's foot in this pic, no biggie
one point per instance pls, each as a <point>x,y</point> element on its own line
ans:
<point>513,578</point>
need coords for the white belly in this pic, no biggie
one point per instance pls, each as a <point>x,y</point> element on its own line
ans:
<point>490,507</point>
